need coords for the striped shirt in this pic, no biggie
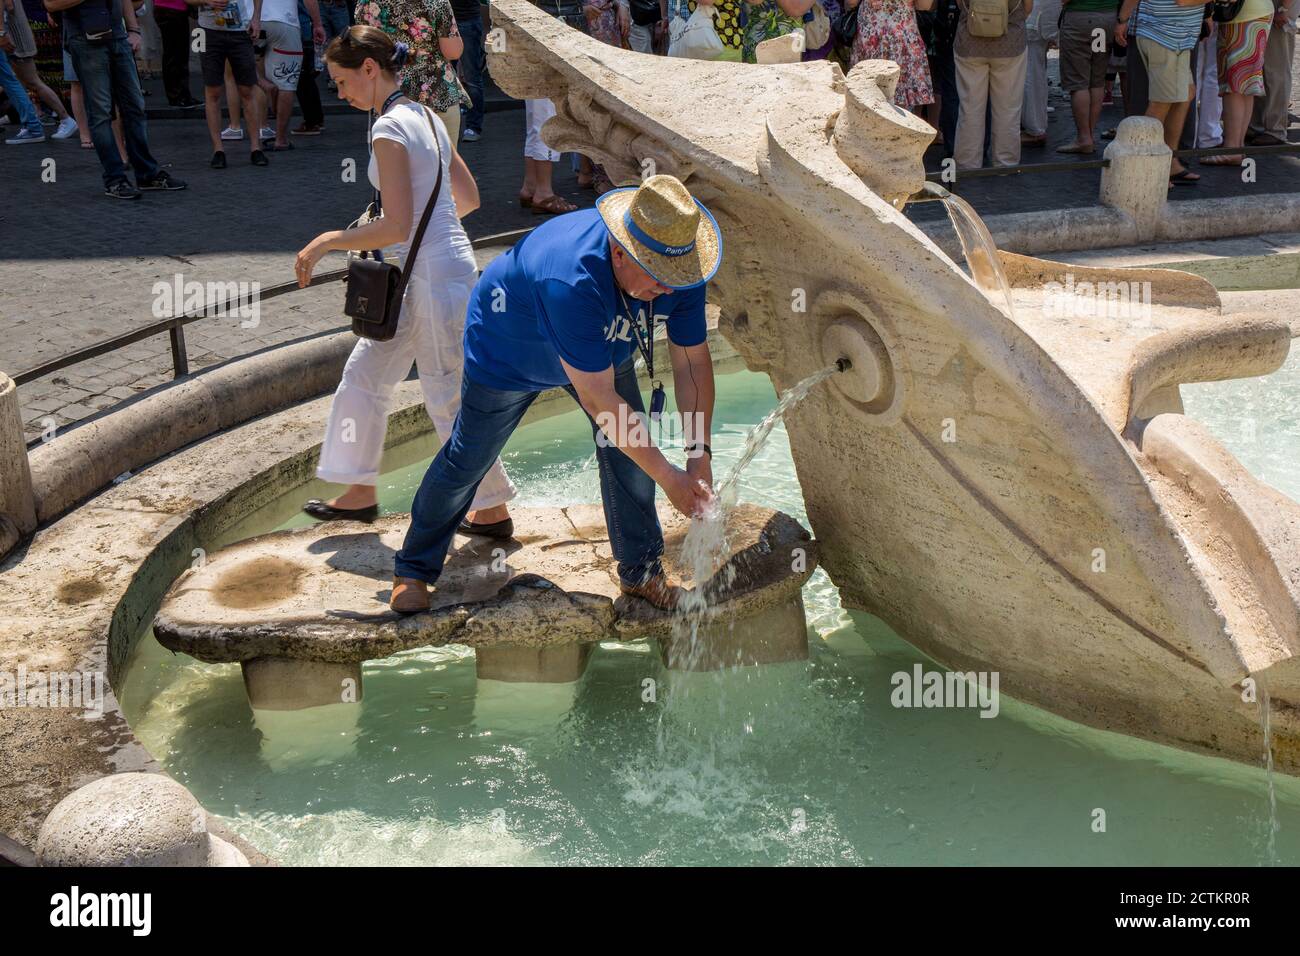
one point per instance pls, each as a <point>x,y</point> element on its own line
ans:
<point>1168,24</point>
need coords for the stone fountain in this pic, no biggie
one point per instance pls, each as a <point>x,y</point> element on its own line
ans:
<point>1014,491</point>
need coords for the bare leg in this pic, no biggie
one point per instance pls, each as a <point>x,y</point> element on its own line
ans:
<point>26,71</point>
<point>212,112</point>
<point>79,114</point>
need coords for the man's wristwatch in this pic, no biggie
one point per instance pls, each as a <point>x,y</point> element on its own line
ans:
<point>699,444</point>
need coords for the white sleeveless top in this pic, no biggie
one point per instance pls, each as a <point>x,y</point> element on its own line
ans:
<point>445,250</point>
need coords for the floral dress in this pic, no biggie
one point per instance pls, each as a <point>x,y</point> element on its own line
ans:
<point>887,31</point>
<point>605,26</point>
<point>428,76</point>
<point>765,20</point>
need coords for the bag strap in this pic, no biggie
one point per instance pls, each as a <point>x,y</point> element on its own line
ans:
<point>414,250</point>
<point>376,254</point>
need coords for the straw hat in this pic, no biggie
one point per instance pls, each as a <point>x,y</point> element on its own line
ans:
<point>668,232</point>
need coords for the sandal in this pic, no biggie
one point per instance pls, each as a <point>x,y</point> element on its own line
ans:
<point>1076,149</point>
<point>525,201</point>
<point>1185,178</point>
<point>552,205</point>
<point>1227,159</point>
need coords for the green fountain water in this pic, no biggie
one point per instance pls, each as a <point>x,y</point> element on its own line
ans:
<point>793,763</point>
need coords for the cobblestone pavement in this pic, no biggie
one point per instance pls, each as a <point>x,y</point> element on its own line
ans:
<point>77,267</point>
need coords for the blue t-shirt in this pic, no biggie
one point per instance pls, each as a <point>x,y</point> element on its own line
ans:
<point>553,295</point>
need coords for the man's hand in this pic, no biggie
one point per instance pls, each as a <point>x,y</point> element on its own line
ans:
<point>701,468</point>
<point>254,27</point>
<point>687,493</point>
<point>624,20</point>
<point>1121,33</point>
<point>317,34</point>
<point>133,41</point>
<point>6,44</point>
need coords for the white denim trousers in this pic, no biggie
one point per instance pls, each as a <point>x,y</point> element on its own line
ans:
<point>430,334</point>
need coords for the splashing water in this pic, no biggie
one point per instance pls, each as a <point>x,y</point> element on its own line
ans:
<point>979,249</point>
<point>705,550</point>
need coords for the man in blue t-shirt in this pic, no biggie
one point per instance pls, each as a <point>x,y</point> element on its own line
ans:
<point>571,305</point>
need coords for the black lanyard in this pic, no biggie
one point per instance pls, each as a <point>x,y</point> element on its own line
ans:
<point>647,349</point>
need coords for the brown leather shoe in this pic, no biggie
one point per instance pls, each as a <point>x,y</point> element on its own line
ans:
<point>657,591</point>
<point>410,596</point>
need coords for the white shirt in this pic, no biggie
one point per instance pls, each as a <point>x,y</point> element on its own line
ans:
<point>280,11</point>
<point>236,16</point>
<point>445,249</point>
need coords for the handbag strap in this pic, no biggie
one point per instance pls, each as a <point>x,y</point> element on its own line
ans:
<point>414,249</point>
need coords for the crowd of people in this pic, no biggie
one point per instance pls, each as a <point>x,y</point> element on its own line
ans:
<point>1216,74</point>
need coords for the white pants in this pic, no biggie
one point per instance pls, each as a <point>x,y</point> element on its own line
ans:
<point>430,333</point>
<point>537,112</point>
<point>1040,30</point>
<point>1209,128</point>
<point>641,38</point>
<point>999,82</point>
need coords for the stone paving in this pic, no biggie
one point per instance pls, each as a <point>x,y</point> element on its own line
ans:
<point>77,267</point>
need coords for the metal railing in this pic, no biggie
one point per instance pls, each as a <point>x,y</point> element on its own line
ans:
<point>175,326</point>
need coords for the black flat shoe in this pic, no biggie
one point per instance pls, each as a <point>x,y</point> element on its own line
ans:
<point>497,529</point>
<point>325,512</point>
<point>218,160</point>
<point>258,158</point>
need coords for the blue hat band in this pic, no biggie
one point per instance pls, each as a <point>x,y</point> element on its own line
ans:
<point>650,242</point>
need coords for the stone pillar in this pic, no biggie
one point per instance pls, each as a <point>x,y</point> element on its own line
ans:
<point>539,665</point>
<point>1137,181</point>
<point>772,636</point>
<point>279,683</point>
<point>17,506</point>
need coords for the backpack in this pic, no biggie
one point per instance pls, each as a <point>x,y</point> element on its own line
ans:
<point>987,19</point>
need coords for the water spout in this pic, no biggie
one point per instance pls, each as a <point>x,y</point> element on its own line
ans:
<point>930,192</point>
<point>842,364</point>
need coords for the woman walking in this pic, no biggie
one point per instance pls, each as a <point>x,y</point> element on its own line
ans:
<point>409,144</point>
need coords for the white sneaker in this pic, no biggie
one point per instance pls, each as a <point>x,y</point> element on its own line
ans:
<point>26,136</point>
<point>470,136</point>
<point>230,133</point>
<point>268,132</point>
<point>67,127</point>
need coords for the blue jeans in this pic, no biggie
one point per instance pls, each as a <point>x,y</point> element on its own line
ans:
<point>334,18</point>
<point>107,72</point>
<point>486,420</point>
<point>18,96</point>
<point>472,62</point>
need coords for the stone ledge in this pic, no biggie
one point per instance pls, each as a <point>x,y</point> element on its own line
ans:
<point>319,593</point>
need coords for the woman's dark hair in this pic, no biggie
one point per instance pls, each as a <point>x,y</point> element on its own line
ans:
<point>355,45</point>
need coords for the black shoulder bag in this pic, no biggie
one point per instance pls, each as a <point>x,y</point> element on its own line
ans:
<point>375,287</point>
